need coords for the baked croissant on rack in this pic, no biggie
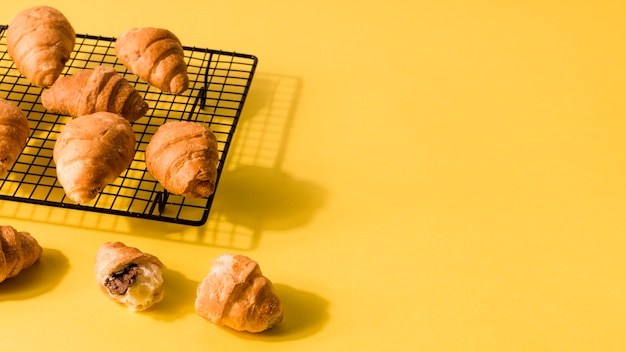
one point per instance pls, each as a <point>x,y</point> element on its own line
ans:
<point>40,41</point>
<point>92,90</point>
<point>237,295</point>
<point>18,251</point>
<point>14,132</point>
<point>129,276</point>
<point>182,156</point>
<point>92,151</point>
<point>155,55</point>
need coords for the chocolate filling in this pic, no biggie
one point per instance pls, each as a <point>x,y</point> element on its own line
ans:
<point>120,281</point>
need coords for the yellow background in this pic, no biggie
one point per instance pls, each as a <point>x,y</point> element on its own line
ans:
<point>431,175</point>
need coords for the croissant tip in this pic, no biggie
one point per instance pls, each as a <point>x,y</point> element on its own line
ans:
<point>179,84</point>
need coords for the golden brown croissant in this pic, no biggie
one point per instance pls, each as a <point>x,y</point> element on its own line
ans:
<point>129,276</point>
<point>18,251</point>
<point>236,294</point>
<point>14,132</point>
<point>40,40</point>
<point>182,156</point>
<point>90,152</point>
<point>92,90</point>
<point>155,55</point>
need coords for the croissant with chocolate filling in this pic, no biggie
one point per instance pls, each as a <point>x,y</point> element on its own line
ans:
<point>18,251</point>
<point>129,276</point>
<point>237,295</point>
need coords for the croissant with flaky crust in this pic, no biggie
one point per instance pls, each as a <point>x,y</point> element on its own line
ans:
<point>155,55</point>
<point>40,41</point>
<point>92,151</point>
<point>92,90</point>
<point>182,156</point>
<point>129,276</point>
<point>237,295</point>
<point>18,251</point>
<point>14,132</point>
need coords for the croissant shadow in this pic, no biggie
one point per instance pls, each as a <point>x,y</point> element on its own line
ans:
<point>42,277</point>
<point>267,199</point>
<point>305,314</point>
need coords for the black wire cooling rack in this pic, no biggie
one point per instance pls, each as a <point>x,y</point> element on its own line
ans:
<point>219,84</point>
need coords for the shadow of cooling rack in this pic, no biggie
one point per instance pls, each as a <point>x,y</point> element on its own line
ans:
<point>257,194</point>
<point>219,84</point>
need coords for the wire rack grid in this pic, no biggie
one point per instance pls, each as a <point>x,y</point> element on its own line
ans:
<point>219,84</point>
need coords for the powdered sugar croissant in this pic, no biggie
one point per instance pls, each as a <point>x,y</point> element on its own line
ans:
<point>18,251</point>
<point>237,295</point>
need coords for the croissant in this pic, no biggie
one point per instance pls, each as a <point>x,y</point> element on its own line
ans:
<point>14,132</point>
<point>40,41</point>
<point>155,55</point>
<point>93,90</point>
<point>128,276</point>
<point>237,295</point>
<point>92,151</point>
<point>182,156</point>
<point>18,251</point>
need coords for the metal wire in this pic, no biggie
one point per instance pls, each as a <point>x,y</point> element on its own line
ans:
<point>219,84</point>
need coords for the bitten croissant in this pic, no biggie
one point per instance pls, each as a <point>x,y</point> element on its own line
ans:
<point>237,295</point>
<point>92,90</point>
<point>92,151</point>
<point>14,132</point>
<point>18,251</point>
<point>129,276</point>
<point>40,41</point>
<point>155,55</point>
<point>182,156</point>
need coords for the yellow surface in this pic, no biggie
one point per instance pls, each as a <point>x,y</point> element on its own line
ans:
<point>431,175</point>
